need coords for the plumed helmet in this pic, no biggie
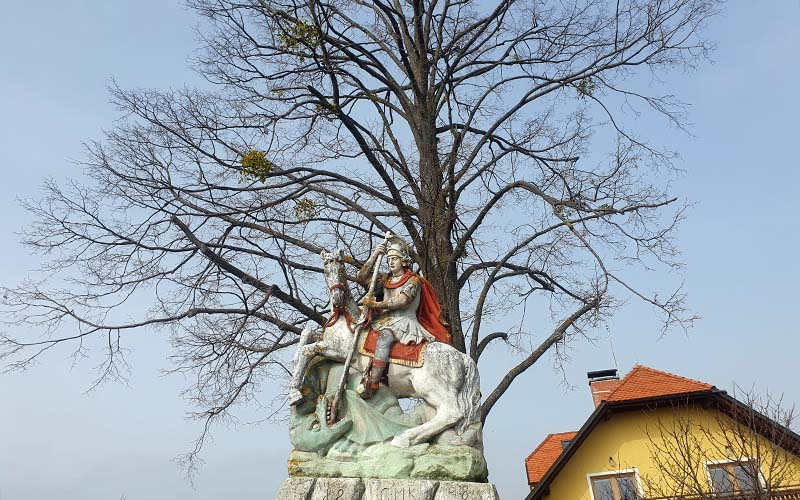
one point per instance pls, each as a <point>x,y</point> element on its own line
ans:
<point>398,248</point>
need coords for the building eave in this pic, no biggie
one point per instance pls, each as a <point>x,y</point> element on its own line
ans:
<point>603,412</point>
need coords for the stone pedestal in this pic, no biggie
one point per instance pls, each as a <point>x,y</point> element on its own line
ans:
<point>309,488</point>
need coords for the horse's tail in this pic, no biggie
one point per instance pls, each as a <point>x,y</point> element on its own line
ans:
<point>469,396</point>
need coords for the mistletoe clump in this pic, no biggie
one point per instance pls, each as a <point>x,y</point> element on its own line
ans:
<point>255,165</point>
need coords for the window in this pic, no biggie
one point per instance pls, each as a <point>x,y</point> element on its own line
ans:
<point>615,487</point>
<point>733,477</point>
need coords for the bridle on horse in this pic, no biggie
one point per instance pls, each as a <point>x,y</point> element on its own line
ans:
<point>338,311</point>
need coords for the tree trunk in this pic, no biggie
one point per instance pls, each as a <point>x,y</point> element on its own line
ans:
<point>437,258</point>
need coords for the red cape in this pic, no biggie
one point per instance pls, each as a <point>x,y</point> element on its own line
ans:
<point>429,313</point>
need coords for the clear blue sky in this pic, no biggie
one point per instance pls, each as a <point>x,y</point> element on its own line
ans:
<point>739,242</point>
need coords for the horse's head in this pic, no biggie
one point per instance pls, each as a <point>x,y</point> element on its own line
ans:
<point>335,276</point>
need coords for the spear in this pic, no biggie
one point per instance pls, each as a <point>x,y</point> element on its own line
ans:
<point>363,324</point>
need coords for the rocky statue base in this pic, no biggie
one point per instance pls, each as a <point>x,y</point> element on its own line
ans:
<point>359,444</point>
<point>423,461</point>
<point>310,488</point>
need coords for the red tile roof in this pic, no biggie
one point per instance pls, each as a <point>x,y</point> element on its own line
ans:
<point>644,382</point>
<point>640,383</point>
<point>543,457</point>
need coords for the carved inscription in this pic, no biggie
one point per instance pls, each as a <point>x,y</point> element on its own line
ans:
<point>331,493</point>
<point>382,489</point>
<point>338,489</point>
<point>455,491</point>
<point>450,490</point>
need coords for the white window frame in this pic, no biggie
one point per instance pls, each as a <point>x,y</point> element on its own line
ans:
<point>752,460</point>
<point>634,471</point>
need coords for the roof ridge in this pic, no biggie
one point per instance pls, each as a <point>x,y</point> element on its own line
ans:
<point>662,372</point>
<point>676,376</point>
<point>640,373</point>
<point>624,379</point>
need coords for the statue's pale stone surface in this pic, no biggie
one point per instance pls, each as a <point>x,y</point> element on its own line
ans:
<point>451,490</point>
<point>386,489</point>
<point>390,489</point>
<point>339,488</point>
<point>352,439</point>
<point>297,488</point>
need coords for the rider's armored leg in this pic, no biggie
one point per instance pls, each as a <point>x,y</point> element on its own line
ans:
<point>372,375</point>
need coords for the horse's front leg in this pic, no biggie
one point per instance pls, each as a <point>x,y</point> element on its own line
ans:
<point>302,355</point>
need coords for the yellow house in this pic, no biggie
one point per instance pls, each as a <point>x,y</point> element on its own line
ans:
<point>655,435</point>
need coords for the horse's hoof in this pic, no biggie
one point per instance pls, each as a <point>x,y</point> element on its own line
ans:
<point>295,396</point>
<point>400,442</point>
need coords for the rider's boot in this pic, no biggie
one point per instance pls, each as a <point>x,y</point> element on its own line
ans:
<point>372,379</point>
<point>372,375</point>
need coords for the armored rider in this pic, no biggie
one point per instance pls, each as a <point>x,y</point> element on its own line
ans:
<point>409,312</point>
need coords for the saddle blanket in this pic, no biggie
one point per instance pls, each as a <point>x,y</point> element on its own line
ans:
<point>412,355</point>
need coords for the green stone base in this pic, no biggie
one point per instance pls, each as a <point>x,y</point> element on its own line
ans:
<point>424,461</point>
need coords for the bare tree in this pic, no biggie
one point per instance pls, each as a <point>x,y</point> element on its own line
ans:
<point>463,126</point>
<point>725,448</point>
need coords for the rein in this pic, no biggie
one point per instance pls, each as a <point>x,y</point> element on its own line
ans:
<point>339,311</point>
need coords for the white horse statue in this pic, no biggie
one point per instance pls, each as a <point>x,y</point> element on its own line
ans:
<point>447,380</point>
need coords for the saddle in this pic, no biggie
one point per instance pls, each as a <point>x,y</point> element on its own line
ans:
<point>412,355</point>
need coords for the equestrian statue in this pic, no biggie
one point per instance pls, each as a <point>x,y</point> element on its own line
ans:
<point>350,377</point>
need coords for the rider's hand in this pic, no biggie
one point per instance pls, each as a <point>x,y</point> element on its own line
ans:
<point>380,250</point>
<point>371,303</point>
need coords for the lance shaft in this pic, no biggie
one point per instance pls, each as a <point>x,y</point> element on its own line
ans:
<point>363,325</point>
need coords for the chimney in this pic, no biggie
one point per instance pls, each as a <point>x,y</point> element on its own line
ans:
<point>602,383</point>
